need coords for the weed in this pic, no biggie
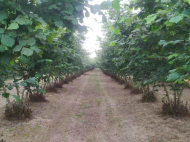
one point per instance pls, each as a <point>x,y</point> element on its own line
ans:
<point>109,111</point>
<point>128,86</point>
<point>37,97</point>
<point>136,90</point>
<point>80,115</point>
<point>58,85</point>
<point>51,89</point>
<point>18,111</point>
<point>85,106</point>
<point>150,97</point>
<point>180,110</point>
<point>117,120</point>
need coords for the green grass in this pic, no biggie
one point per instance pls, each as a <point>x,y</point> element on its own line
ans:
<point>80,114</point>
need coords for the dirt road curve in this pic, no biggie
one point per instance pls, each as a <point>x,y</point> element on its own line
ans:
<point>94,108</point>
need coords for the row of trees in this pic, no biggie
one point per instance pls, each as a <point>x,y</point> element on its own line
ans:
<point>40,44</point>
<point>148,42</point>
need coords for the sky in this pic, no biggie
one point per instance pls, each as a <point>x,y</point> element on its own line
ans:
<point>91,44</point>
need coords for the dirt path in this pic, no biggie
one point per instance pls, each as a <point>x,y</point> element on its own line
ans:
<point>94,108</point>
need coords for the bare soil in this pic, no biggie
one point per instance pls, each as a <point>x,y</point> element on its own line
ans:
<point>94,108</point>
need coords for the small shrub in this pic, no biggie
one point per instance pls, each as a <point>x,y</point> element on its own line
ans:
<point>51,89</point>
<point>121,81</point>
<point>179,111</point>
<point>136,90</point>
<point>18,111</point>
<point>127,86</point>
<point>37,97</point>
<point>58,85</point>
<point>66,81</point>
<point>150,97</point>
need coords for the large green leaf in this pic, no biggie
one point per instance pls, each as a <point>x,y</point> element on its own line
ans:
<point>176,19</point>
<point>128,21</point>
<point>151,18</point>
<point>2,30</point>
<point>165,1</point>
<point>115,4</point>
<point>7,40</point>
<point>13,26</point>
<point>173,77</point>
<point>27,51</point>
<point>35,48</point>
<point>16,98</point>
<point>59,23</point>
<point>3,14</point>
<point>17,48</point>
<point>112,44</point>
<point>6,95</point>
<point>188,1</point>
<point>3,48</point>
<point>79,7</point>
<point>30,41</point>
<point>39,19</point>
<point>105,5</point>
<point>5,59</point>
<point>23,21</point>
<point>117,31</point>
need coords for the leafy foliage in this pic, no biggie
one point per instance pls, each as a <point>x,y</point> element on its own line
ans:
<point>37,49</point>
<point>149,47</point>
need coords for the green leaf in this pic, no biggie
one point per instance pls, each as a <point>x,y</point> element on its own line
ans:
<point>31,80</point>
<point>111,28</point>
<point>27,51</point>
<point>81,29</point>
<point>24,59</point>
<point>87,14</point>
<point>79,7</point>
<point>7,40</point>
<point>13,26</point>
<point>16,98</point>
<point>173,77</point>
<point>17,48</point>
<point>39,19</point>
<point>105,5</point>
<point>38,74</point>
<point>2,30</point>
<point>6,95</point>
<point>35,48</point>
<point>165,1</point>
<point>23,21</point>
<point>112,44</point>
<point>95,8</point>
<point>186,68</point>
<point>31,41</point>
<point>188,1</point>
<point>3,48</point>
<point>151,18</point>
<point>128,21</point>
<point>162,42</point>
<point>117,31</point>
<point>58,23</point>
<point>5,59</point>
<point>41,36</point>
<point>115,4</point>
<point>3,14</point>
<point>176,19</point>
<point>186,11</point>
<point>38,1</point>
<point>173,55</point>
<point>104,19</point>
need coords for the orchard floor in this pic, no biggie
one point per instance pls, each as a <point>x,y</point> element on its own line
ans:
<point>94,108</point>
